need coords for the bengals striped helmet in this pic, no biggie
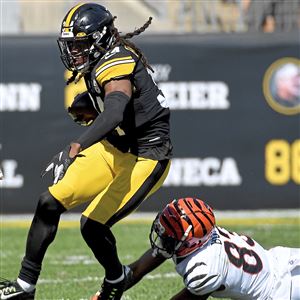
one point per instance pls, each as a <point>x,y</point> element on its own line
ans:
<point>182,226</point>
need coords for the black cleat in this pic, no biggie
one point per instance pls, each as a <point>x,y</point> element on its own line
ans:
<point>114,291</point>
<point>12,290</point>
<point>111,291</point>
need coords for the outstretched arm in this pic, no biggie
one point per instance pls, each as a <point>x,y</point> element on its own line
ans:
<point>144,265</point>
<point>147,263</point>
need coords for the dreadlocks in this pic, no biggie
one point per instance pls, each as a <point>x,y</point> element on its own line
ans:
<point>123,40</point>
<point>120,40</point>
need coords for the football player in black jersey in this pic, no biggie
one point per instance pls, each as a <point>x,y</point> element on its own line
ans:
<point>121,158</point>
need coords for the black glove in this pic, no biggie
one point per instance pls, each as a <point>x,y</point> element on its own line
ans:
<point>59,164</point>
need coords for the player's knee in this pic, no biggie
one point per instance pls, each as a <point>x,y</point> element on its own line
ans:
<point>48,204</point>
<point>93,231</point>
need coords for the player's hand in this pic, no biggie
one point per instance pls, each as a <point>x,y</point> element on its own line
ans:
<point>59,164</point>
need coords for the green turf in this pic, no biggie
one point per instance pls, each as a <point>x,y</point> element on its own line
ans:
<point>71,272</point>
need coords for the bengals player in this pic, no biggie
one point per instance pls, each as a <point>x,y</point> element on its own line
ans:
<point>213,261</point>
<point>122,157</point>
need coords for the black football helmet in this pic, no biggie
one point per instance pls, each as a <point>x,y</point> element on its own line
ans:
<point>86,33</point>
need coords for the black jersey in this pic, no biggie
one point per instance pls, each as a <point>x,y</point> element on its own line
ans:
<point>145,127</point>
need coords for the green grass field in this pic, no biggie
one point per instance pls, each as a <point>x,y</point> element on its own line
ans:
<point>71,272</point>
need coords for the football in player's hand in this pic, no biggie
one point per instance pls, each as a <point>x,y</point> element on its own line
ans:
<point>82,110</point>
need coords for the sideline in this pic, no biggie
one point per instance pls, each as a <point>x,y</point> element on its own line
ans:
<point>224,218</point>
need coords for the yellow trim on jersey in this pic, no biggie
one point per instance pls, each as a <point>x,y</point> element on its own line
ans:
<point>116,71</point>
<point>98,71</point>
<point>70,15</point>
<point>115,68</point>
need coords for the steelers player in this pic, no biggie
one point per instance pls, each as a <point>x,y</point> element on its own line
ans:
<point>120,159</point>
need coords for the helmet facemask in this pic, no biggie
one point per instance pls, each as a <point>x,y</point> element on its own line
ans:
<point>162,243</point>
<point>81,53</point>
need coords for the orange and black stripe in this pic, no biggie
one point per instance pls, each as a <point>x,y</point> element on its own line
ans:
<point>185,212</point>
<point>194,206</point>
<point>172,223</point>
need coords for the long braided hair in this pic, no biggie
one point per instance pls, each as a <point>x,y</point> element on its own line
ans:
<point>123,40</point>
<point>117,41</point>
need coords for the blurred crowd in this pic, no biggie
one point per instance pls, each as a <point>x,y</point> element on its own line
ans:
<point>239,15</point>
<point>272,15</point>
<point>170,16</point>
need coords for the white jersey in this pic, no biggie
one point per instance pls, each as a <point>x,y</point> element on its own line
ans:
<point>237,267</point>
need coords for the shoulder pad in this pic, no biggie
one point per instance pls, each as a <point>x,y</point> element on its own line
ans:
<point>116,63</point>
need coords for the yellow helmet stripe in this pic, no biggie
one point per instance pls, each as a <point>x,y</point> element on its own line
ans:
<point>70,15</point>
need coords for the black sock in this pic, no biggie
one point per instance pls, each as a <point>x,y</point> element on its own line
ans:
<point>103,244</point>
<point>42,232</point>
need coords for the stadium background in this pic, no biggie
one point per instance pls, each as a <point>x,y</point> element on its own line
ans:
<point>234,145</point>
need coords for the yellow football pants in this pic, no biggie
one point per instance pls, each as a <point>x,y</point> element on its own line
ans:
<point>115,183</point>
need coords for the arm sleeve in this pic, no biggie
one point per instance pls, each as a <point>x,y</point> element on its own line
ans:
<point>114,107</point>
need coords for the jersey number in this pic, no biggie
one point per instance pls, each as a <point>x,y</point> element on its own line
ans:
<point>236,254</point>
<point>160,98</point>
<point>239,261</point>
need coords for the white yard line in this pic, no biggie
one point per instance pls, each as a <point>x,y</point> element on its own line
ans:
<point>99,279</point>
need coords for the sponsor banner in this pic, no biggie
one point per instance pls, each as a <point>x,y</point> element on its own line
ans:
<point>20,97</point>
<point>235,105</point>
